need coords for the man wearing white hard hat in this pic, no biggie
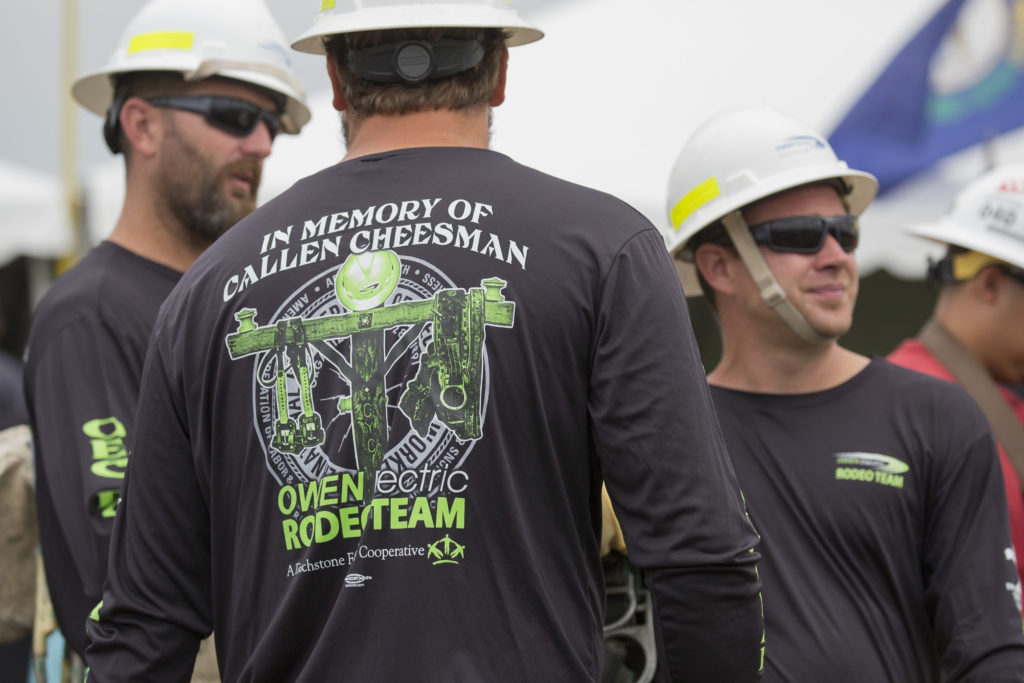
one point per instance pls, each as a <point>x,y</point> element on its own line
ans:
<point>976,334</point>
<point>378,411</point>
<point>192,96</point>
<point>876,491</point>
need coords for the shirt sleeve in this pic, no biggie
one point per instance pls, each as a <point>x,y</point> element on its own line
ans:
<point>668,474</point>
<point>82,394</point>
<point>157,603</point>
<point>971,582</point>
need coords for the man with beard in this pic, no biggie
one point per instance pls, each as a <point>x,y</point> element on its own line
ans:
<point>876,490</point>
<point>193,96</point>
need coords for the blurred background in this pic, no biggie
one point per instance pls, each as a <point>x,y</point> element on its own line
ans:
<point>926,94</point>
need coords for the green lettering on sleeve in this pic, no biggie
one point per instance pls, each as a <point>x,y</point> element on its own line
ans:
<point>106,502</point>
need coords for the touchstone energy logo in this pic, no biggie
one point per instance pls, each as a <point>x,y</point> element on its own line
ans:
<point>871,468</point>
<point>356,580</point>
<point>446,551</point>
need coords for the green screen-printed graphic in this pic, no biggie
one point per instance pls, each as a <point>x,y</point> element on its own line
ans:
<point>106,441</point>
<point>446,388</point>
<point>871,468</point>
<point>445,551</point>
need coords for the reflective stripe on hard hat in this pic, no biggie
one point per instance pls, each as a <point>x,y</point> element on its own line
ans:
<point>693,200</point>
<point>166,40</point>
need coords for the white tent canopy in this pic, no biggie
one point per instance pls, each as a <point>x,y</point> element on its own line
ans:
<point>610,95</point>
<point>35,217</point>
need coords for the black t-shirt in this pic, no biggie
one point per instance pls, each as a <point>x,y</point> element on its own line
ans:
<point>373,427</point>
<point>83,365</point>
<point>885,540</point>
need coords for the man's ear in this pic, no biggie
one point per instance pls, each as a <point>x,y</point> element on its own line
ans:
<point>987,285</point>
<point>718,266</point>
<point>499,88</point>
<point>339,101</point>
<point>142,126</point>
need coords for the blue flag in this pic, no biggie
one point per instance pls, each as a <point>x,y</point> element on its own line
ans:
<point>955,84</point>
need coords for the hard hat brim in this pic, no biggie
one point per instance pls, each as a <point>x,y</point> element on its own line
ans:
<point>863,187</point>
<point>330,23</point>
<point>95,91</point>
<point>1003,247</point>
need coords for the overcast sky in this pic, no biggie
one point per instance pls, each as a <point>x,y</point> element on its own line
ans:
<point>607,99</point>
<point>30,77</point>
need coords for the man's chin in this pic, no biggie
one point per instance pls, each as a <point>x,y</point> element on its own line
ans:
<point>241,206</point>
<point>831,329</point>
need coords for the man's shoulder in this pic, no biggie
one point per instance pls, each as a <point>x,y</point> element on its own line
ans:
<point>465,167</point>
<point>106,287</point>
<point>917,397</point>
<point>911,381</point>
<point>76,292</point>
<point>589,199</point>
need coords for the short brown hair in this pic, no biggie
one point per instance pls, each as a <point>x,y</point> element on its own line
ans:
<point>465,90</point>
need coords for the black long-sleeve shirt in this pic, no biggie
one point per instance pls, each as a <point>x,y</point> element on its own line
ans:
<point>84,363</point>
<point>387,466</point>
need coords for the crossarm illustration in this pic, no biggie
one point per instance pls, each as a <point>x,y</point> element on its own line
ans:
<point>447,384</point>
<point>249,338</point>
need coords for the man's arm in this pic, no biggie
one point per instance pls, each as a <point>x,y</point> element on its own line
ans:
<point>972,590</point>
<point>156,602</point>
<point>666,468</point>
<point>81,394</point>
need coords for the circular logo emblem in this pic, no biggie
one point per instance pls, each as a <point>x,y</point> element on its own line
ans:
<point>345,399</point>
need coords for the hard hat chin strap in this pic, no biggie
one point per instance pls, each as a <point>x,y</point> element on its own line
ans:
<point>770,289</point>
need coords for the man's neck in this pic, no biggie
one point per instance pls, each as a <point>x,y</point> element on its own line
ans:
<point>441,128</point>
<point>799,368</point>
<point>152,234</point>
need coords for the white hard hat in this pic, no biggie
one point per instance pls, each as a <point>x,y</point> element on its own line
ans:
<point>740,156</point>
<point>987,216</point>
<point>351,16</point>
<point>236,39</point>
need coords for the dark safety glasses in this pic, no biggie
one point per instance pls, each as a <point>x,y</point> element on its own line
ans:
<point>1014,272</point>
<point>806,234</point>
<point>230,114</point>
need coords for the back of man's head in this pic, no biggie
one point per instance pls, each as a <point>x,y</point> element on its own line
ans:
<point>393,57</point>
<point>368,94</point>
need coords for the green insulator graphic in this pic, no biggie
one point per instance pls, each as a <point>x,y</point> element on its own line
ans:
<point>448,382</point>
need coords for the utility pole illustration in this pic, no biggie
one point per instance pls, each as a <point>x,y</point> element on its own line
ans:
<point>447,384</point>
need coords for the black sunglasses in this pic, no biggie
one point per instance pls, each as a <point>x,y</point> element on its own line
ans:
<point>806,234</point>
<point>230,114</point>
<point>1014,272</point>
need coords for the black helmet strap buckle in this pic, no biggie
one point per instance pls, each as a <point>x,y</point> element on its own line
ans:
<point>112,121</point>
<point>414,61</point>
<point>940,272</point>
